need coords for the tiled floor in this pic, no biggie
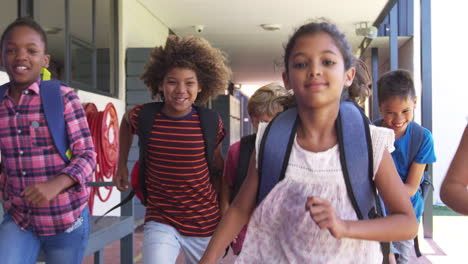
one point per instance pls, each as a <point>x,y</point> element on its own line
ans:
<point>448,245</point>
<point>112,252</point>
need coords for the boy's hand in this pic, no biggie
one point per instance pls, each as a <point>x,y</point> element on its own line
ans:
<point>324,216</point>
<point>121,179</point>
<point>41,193</point>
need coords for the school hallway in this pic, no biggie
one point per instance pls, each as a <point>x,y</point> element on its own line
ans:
<point>447,246</point>
<point>449,242</point>
<point>112,252</point>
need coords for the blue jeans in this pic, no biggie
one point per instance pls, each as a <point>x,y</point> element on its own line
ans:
<point>23,247</point>
<point>161,244</point>
<point>403,249</point>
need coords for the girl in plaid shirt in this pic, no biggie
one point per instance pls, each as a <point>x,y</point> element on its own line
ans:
<point>45,197</point>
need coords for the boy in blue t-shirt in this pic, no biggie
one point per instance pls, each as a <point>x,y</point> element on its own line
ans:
<point>397,101</point>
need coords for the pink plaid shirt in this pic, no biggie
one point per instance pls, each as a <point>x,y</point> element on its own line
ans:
<point>29,156</point>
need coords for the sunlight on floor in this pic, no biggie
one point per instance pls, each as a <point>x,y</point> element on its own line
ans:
<point>449,242</point>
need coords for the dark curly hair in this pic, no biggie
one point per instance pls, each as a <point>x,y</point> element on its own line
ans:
<point>360,89</point>
<point>192,53</point>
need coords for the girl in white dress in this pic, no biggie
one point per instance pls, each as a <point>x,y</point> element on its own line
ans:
<point>308,217</point>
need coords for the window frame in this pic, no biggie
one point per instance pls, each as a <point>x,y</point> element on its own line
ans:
<point>26,8</point>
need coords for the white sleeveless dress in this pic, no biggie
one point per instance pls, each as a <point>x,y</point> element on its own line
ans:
<point>281,231</point>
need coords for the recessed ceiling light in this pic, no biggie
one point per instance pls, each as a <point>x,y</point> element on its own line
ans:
<point>51,30</point>
<point>271,27</point>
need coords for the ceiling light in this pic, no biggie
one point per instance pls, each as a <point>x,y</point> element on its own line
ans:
<point>271,27</point>
<point>51,30</point>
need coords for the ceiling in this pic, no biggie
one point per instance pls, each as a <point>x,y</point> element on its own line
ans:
<point>255,55</point>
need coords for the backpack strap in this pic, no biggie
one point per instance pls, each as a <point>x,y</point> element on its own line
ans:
<point>3,89</point>
<point>417,137</point>
<point>209,122</point>
<point>145,125</point>
<point>52,104</point>
<point>275,148</point>
<point>145,122</point>
<point>378,122</point>
<point>247,145</point>
<point>353,140</point>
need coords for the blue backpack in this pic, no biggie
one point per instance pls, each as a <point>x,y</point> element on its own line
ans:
<point>52,103</point>
<point>416,136</point>
<point>416,140</point>
<point>354,141</point>
<point>356,156</point>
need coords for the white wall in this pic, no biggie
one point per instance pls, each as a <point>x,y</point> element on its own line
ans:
<point>138,28</point>
<point>101,101</point>
<point>3,77</point>
<point>450,88</point>
<point>405,55</point>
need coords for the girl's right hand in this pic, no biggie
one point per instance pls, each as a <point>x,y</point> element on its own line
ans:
<point>324,216</point>
<point>121,179</point>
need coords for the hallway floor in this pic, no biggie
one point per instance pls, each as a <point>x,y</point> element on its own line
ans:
<point>447,246</point>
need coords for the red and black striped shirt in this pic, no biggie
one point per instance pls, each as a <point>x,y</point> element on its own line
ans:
<point>178,184</point>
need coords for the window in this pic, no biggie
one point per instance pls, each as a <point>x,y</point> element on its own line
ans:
<point>53,24</point>
<point>84,53</point>
<point>8,13</point>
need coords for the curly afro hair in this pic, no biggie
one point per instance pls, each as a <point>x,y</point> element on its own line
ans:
<point>192,53</point>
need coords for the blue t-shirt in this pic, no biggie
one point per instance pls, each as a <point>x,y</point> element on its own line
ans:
<point>425,155</point>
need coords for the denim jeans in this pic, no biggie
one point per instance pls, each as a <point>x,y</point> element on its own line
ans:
<point>23,247</point>
<point>403,249</point>
<point>161,244</point>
